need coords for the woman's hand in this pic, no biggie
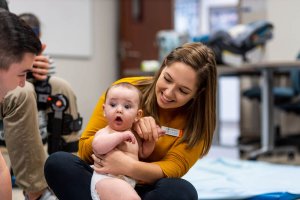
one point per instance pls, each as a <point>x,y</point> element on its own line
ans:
<point>147,129</point>
<point>118,163</point>
<point>97,161</point>
<point>115,162</point>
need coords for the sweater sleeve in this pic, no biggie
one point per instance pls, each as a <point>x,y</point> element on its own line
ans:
<point>97,121</point>
<point>179,159</point>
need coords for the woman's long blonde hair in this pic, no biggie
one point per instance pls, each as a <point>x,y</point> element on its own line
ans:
<point>201,110</point>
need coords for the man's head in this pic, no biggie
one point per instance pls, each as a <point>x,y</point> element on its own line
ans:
<point>18,46</point>
<point>32,21</point>
<point>3,4</point>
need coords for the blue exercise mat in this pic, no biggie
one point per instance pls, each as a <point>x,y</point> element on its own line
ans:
<point>226,178</point>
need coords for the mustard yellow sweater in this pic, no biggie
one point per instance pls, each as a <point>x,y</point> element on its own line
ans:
<point>173,158</point>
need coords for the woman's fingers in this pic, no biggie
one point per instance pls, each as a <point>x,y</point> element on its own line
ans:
<point>147,129</point>
<point>154,131</point>
<point>97,161</point>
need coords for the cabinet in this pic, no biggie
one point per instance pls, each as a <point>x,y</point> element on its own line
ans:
<point>140,20</point>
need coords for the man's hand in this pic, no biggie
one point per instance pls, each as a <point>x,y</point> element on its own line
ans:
<point>41,66</point>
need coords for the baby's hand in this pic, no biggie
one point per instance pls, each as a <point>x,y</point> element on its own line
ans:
<point>128,136</point>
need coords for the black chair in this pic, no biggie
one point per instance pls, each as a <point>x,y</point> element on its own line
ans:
<point>282,98</point>
<point>291,107</point>
<point>280,94</point>
<point>290,139</point>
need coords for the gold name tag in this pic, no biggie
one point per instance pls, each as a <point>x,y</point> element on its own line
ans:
<point>172,131</point>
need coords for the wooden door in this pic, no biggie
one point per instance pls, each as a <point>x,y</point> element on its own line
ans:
<point>140,20</point>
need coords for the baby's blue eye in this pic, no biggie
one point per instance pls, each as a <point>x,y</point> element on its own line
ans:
<point>127,106</point>
<point>112,104</point>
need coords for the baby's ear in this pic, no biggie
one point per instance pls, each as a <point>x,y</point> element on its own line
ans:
<point>139,114</point>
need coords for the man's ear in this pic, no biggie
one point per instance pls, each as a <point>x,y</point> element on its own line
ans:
<point>139,114</point>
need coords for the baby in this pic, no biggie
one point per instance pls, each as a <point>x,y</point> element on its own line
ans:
<point>122,107</point>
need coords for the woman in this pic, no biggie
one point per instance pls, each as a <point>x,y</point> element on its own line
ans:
<point>181,100</point>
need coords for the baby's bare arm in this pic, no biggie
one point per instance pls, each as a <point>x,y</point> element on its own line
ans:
<point>147,146</point>
<point>105,142</point>
<point>146,149</point>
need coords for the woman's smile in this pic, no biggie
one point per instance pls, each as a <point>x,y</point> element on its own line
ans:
<point>165,99</point>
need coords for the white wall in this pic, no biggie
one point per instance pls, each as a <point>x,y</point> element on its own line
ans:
<point>285,46</point>
<point>229,99</point>
<point>90,77</point>
<point>205,5</point>
<point>60,22</point>
<point>285,17</point>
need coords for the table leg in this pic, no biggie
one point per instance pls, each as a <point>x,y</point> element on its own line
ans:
<point>217,136</point>
<point>267,128</point>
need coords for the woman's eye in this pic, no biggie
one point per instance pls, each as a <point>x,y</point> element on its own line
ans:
<point>183,91</point>
<point>167,79</point>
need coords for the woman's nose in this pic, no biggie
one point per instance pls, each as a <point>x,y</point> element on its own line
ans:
<point>170,91</point>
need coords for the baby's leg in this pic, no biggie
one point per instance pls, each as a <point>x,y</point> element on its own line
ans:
<point>115,189</point>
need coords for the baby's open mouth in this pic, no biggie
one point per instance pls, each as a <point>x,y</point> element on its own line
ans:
<point>118,119</point>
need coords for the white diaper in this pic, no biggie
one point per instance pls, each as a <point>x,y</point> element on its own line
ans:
<point>97,177</point>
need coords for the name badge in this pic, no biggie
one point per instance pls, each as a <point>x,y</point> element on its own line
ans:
<point>172,131</point>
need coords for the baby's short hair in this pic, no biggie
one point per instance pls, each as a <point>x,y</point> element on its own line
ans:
<point>129,86</point>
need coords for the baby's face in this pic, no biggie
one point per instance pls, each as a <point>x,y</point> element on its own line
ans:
<point>121,108</point>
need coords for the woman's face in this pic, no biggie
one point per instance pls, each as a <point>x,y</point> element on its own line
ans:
<point>176,85</point>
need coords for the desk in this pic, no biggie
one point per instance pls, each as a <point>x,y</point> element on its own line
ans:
<point>266,69</point>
